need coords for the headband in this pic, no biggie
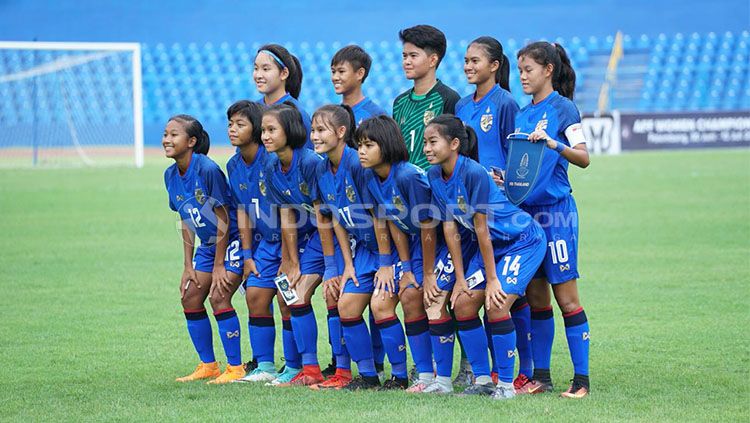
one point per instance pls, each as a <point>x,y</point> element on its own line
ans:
<point>275,57</point>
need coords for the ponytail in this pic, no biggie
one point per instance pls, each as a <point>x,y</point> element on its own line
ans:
<point>494,51</point>
<point>284,59</point>
<point>502,76</point>
<point>450,127</point>
<point>563,75</point>
<point>337,116</point>
<point>194,129</point>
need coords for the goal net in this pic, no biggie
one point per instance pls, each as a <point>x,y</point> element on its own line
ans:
<point>70,104</point>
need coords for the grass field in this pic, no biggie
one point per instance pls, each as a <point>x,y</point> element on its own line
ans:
<point>92,327</point>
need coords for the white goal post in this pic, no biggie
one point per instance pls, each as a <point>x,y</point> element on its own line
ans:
<point>71,99</point>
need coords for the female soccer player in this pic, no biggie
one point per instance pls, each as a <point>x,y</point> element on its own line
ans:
<point>198,191</point>
<point>290,180</point>
<point>278,76</point>
<point>552,117</point>
<point>342,188</point>
<point>260,236</point>
<point>511,247</point>
<point>491,112</point>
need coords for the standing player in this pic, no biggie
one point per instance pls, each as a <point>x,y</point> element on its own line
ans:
<point>349,69</point>
<point>198,191</point>
<point>278,76</point>
<point>423,49</point>
<point>511,247</point>
<point>290,177</point>
<point>258,223</point>
<point>552,118</point>
<point>342,188</point>
<point>491,111</point>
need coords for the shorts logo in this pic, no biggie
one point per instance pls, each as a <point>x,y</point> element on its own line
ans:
<point>564,267</point>
<point>528,336</point>
<point>511,353</point>
<point>179,198</point>
<point>262,187</point>
<point>350,194</point>
<point>402,347</point>
<point>585,336</point>
<point>428,115</point>
<point>330,197</point>
<point>234,334</point>
<point>542,124</point>
<point>461,203</point>
<point>343,341</point>
<point>486,121</point>
<point>243,187</point>
<point>199,195</point>
<point>304,189</point>
<point>447,339</point>
<point>511,280</point>
<point>523,168</point>
<point>398,203</point>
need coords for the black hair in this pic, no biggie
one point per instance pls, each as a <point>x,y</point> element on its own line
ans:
<point>449,127</point>
<point>194,129</point>
<point>494,51</point>
<point>291,122</point>
<point>426,37</point>
<point>293,83</point>
<point>356,56</point>
<point>340,115</point>
<point>563,75</point>
<point>251,111</point>
<point>384,131</point>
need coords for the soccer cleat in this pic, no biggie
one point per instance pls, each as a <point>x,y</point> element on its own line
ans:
<point>579,388</point>
<point>258,375</point>
<point>203,371</point>
<point>438,388</point>
<point>330,370</point>
<point>251,365</point>
<point>231,374</point>
<point>533,386</point>
<point>310,375</point>
<point>363,382</point>
<point>284,377</point>
<point>394,383</point>
<point>495,377</point>
<point>504,392</point>
<point>417,387</point>
<point>465,376</point>
<point>480,389</point>
<point>337,381</point>
<point>520,381</point>
<point>413,376</point>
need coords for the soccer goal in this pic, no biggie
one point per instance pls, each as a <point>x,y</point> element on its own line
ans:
<point>70,104</point>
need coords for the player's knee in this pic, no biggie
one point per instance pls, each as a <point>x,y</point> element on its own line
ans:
<point>437,311</point>
<point>220,303</point>
<point>465,307</point>
<point>568,305</point>
<point>349,308</point>
<point>382,309</point>
<point>412,303</point>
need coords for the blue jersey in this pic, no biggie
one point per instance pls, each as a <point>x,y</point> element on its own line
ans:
<point>345,192</point>
<point>470,190</point>
<point>195,194</point>
<point>250,192</point>
<point>554,114</point>
<point>366,109</point>
<point>295,188</point>
<point>404,197</point>
<point>492,118</point>
<point>305,117</point>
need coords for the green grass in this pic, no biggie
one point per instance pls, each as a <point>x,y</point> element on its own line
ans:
<point>92,326</point>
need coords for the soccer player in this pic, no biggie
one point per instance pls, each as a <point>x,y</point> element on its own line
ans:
<point>423,49</point>
<point>491,112</point>
<point>260,236</point>
<point>199,193</point>
<point>278,76</point>
<point>342,188</point>
<point>349,69</point>
<point>511,247</point>
<point>552,118</point>
<point>290,178</point>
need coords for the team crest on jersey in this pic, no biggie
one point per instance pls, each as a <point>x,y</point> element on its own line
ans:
<point>511,280</point>
<point>428,115</point>
<point>350,194</point>
<point>304,189</point>
<point>542,124</point>
<point>486,122</point>
<point>243,187</point>
<point>199,195</point>
<point>262,187</point>
<point>398,203</point>
<point>461,203</point>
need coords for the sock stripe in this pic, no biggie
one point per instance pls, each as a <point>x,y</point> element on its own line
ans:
<point>333,312</point>
<point>469,324</point>
<point>387,322</point>
<point>225,314</point>
<point>576,311</point>
<point>502,327</point>
<point>301,310</point>
<point>519,304</point>
<point>577,318</point>
<point>417,327</point>
<point>196,314</point>
<point>223,310</point>
<point>286,324</point>
<point>352,321</point>
<point>260,320</point>
<point>441,328</point>
<point>541,313</point>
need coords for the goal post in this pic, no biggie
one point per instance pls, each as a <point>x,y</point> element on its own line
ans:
<point>71,103</point>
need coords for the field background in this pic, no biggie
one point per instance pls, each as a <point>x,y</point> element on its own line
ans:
<point>92,327</point>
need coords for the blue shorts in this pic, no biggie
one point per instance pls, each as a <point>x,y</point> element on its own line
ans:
<point>515,264</point>
<point>267,257</point>
<point>560,224</point>
<point>311,261</point>
<point>203,258</point>
<point>365,264</point>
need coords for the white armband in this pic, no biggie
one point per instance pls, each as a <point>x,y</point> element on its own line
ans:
<point>574,134</point>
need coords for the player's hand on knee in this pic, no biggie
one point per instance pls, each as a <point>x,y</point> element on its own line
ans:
<point>460,288</point>
<point>249,267</point>
<point>220,284</point>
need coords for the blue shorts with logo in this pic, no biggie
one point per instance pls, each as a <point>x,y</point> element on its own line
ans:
<point>203,258</point>
<point>560,224</point>
<point>515,263</point>
<point>365,265</point>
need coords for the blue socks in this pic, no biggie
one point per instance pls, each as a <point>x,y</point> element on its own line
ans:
<point>394,344</point>
<point>577,332</point>
<point>417,331</point>
<point>305,330</point>
<point>291,355</point>
<point>504,340</point>
<point>474,340</point>
<point>521,314</point>
<point>493,361</point>
<point>229,332</point>
<point>262,337</point>
<point>377,343</point>
<point>336,338</point>
<point>358,342</point>
<point>443,338</point>
<point>199,328</point>
<point>542,336</point>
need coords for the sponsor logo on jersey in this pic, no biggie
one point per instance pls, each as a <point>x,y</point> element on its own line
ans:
<point>486,121</point>
<point>262,186</point>
<point>243,187</point>
<point>199,195</point>
<point>511,280</point>
<point>447,339</point>
<point>428,115</point>
<point>350,194</point>
<point>461,203</point>
<point>234,334</point>
<point>523,168</point>
<point>398,203</point>
<point>542,124</point>
<point>304,189</point>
